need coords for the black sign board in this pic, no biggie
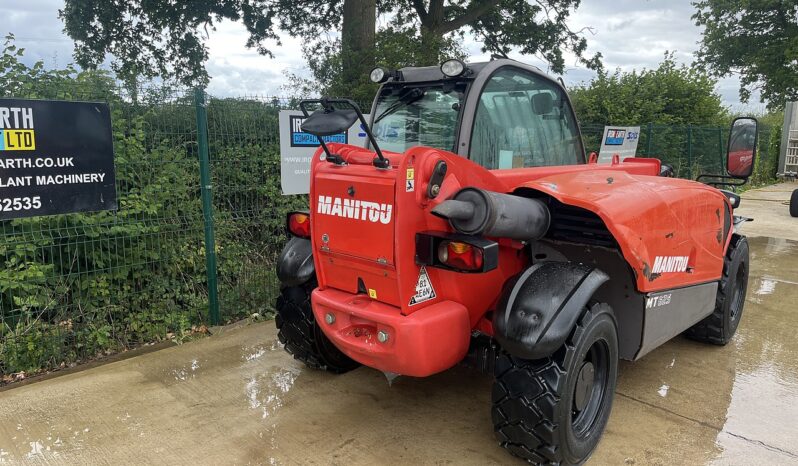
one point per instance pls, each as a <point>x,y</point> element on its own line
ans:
<point>56,157</point>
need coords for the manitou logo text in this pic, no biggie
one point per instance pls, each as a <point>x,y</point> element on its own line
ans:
<point>664,264</point>
<point>355,209</point>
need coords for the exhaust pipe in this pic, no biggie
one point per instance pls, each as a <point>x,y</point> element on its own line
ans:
<point>474,211</point>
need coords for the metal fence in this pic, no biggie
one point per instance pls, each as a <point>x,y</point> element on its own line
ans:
<point>197,232</point>
<point>690,149</point>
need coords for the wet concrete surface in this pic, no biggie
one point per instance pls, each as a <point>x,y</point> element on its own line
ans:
<point>770,209</point>
<point>237,398</point>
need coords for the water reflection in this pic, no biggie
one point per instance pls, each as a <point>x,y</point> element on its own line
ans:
<point>763,406</point>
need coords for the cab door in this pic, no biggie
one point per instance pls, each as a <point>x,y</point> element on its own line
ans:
<point>521,118</point>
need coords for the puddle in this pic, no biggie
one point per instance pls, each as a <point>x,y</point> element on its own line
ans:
<point>186,372</point>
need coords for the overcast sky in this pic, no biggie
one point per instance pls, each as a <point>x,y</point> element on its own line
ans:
<point>631,34</point>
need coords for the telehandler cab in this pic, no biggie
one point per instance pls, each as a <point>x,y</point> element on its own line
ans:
<point>472,228</point>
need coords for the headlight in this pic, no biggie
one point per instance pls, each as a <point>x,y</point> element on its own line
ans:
<point>453,68</point>
<point>379,75</point>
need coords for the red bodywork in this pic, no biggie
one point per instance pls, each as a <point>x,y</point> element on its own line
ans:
<point>371,247</point>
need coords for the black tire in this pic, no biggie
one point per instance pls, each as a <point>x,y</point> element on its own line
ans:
<point>538,413</point>
<point>719,327</point>
<point>794,203</point>
<point>301,335</point>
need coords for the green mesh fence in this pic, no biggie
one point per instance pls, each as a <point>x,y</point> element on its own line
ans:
<point>690,150</point>
<point>80,285</point>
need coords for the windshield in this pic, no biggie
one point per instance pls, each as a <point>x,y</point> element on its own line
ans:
<point>418,116</point>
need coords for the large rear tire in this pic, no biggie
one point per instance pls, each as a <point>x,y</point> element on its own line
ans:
<point>720,326</point>
<point>794,203</point>
<point>554,410</point>
<point>302,336</point>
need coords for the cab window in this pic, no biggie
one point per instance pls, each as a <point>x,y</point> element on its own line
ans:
<point>524,120</point>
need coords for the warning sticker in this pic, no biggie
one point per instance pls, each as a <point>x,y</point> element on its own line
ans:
<point>410,186</point>
<point>424,290</point>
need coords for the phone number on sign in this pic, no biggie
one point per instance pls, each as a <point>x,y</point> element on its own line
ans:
<point>20,203</point>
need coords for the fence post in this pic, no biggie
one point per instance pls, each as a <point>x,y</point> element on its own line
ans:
<point>689,152</point>
<point>649,140</point>
<point>721,151</point>
<point>207,204</point>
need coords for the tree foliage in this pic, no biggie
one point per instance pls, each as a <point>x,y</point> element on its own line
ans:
<point>757,40</point>
<point>168,39</point>
<point>670,94</point>
<point>532,28</point>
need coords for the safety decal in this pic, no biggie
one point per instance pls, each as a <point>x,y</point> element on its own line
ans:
<point>410,183</point>
<point>424,290</point>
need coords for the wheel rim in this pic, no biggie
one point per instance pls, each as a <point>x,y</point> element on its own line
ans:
<point>590,389</point>
<point>738,295</point>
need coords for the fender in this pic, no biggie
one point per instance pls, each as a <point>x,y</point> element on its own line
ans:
<point>540,307</point>
<point>295,264</point>
<point>653,220</point>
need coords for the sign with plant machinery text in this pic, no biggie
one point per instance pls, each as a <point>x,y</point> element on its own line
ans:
<point>56,157</point>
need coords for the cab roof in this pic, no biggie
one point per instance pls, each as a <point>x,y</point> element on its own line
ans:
<point>412,74</point>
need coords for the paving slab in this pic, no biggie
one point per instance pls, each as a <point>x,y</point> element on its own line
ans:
<point>238,398</point>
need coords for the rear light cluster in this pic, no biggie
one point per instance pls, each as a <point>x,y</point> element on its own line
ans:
<point>298,224</point>
<point>459,255</point>
<point>456,252</point>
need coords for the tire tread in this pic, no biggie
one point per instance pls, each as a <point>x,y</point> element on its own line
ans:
<point>526,393</point>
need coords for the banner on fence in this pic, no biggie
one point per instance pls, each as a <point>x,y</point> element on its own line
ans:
<point>56,157</point>
<point>620,140</point>
<point>298,147</point>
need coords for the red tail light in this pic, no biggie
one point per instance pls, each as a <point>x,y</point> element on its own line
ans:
<point>459,253</point>
<point>299,224</point>
<point>460,256</point>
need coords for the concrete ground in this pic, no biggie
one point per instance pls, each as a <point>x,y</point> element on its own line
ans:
<point>237,398</point>
<point>770,209</point>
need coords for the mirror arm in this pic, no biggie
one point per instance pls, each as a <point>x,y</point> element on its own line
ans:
<point>734,181</point>
<point>380,161</point>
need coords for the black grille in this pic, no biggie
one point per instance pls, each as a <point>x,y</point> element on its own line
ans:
<point>574,224</point>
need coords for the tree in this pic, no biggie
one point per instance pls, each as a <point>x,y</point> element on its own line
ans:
<point>757,40</point>
<point>669,94</point>
<point>165,38</point>
<point>533,28</point>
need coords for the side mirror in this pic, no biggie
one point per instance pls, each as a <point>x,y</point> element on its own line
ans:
<point>741,149</point>
<point>325,122</point>
<point>329,120</point>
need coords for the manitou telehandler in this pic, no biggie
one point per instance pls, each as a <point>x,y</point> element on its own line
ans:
<point>471,227</point>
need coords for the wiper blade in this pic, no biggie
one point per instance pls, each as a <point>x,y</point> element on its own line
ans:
<point>413,95</point>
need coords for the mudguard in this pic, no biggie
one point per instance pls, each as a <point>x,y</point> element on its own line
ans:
<point>295,264</point>
<point>538,309</point>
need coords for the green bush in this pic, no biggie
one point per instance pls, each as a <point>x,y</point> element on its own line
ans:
<point>80,285</point>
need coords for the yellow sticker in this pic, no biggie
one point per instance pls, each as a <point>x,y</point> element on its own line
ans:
<point>411,173</point>
<point>372,293</point>
<point>17,139</point>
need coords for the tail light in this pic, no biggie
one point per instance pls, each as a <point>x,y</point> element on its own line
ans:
<point>298,224</point>
<point>460,253</point>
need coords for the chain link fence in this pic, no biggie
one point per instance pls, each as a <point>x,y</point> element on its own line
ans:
<point>197,232</point>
